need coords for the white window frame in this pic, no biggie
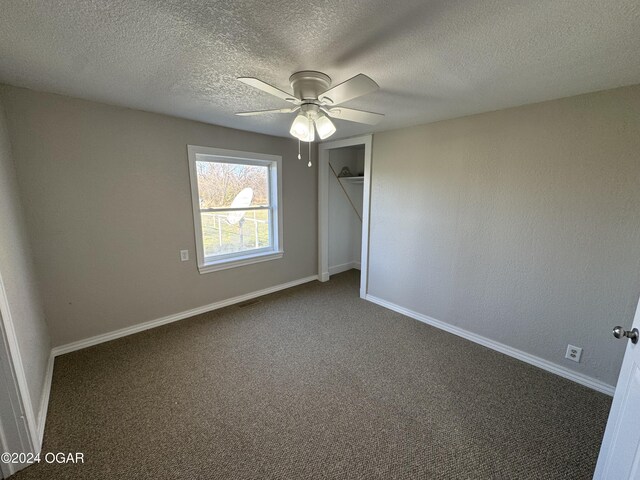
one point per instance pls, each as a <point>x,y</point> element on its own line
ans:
<point>274,163</point>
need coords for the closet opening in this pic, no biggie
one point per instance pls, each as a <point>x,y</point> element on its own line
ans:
<point>344,199</point>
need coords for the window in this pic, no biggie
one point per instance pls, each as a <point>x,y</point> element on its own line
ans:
<point>236,207</point>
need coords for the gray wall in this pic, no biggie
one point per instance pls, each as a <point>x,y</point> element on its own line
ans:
<point>521,225</point>
<point>108,207</point>
<point>18,279</point>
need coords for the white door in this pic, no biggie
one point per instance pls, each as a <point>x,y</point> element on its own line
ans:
<point>620,452</point>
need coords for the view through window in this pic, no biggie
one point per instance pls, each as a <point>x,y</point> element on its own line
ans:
<point>234,207</point>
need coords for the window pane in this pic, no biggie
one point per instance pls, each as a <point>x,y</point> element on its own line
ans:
<point>224,233</point>
<point>219,184</point>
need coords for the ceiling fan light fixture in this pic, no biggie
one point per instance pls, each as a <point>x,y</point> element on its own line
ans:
<point>325,127</point>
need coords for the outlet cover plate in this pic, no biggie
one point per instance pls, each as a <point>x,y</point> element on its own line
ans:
<point>573,353</point>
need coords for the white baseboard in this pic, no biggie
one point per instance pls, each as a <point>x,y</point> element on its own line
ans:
<point>123,332</point>
<point>44,400</point>
<point>343,267</point>
<point>500,347</point>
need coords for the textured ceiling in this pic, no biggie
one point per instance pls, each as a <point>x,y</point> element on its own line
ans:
<point>433,59</point>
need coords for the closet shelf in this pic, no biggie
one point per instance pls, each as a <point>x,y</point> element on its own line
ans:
<point>352,179</point>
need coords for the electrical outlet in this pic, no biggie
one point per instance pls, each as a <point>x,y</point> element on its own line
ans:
<point>184,255</point>
<point>573,353</point>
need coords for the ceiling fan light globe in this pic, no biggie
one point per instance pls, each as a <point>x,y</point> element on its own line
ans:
<point>325,127</point>
<point>300,128</point>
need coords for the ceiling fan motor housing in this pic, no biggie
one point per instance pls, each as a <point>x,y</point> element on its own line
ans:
<point>308,85</point>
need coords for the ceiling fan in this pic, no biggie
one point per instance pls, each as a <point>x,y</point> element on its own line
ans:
<point>316,101</point>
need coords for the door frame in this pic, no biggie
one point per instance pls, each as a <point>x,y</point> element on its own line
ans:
<point>14,382</point>
<point>323,207</point>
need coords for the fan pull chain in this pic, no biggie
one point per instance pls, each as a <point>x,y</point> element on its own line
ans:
<point>310,136</point>
<point>299,156</point>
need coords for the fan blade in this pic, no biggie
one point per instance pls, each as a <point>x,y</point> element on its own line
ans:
<point>265,87</point>
<point>348,90</point>
<point>352,115</point>
<point>263,112</point>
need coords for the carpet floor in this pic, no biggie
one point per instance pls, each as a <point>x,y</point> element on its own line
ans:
<point>314,383</point>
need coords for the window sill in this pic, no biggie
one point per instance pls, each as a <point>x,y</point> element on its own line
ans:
<point>239,262</point>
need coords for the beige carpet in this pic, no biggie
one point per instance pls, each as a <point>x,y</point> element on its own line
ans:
<point>314,383</point>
